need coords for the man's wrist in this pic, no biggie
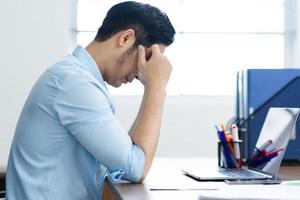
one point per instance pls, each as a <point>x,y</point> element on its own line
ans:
<point>156,89</point>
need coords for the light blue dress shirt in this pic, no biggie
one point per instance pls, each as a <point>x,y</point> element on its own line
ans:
<point>68,139</point>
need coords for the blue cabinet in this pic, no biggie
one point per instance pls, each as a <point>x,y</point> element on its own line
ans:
<point>260,89</point>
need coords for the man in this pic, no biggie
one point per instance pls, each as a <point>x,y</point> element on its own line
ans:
<point>68,140</point>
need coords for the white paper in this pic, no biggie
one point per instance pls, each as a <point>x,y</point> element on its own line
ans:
<point>286,191</point>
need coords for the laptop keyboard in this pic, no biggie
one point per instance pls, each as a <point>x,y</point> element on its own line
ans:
<point>244,173</point>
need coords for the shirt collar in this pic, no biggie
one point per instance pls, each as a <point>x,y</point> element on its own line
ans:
<point>88,63</point>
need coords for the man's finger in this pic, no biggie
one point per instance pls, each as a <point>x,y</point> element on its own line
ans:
<point>155,50</point>
<point>141,55</point>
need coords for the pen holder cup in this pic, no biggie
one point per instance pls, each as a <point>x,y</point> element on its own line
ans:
<point>229,155</point>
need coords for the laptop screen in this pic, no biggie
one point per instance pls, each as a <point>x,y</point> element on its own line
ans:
<point>273,139</point>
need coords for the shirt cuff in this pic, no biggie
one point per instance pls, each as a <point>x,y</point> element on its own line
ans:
<point>133,169</point>
<point>116,177</point>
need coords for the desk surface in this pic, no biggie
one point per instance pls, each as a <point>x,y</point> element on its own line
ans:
<point>165,180</point>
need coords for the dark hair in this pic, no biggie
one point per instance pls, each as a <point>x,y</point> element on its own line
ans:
<point>151,25</point>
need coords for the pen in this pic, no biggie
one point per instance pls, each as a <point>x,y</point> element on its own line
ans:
<point>258,150</point>
<point>225,155</point>
<point>270,154</point>
<point>259,155</point>
<point>257,163</point>
<point>227,139</point>
<point>225,148</point>
<point>235,136</point>
<point>234,161</point>
<point>230,138</point>
<point>217,128</point>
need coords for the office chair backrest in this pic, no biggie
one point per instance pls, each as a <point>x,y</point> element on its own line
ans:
<point>2,195</point>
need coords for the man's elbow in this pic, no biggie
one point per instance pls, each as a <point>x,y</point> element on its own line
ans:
<point>145,172</point>
<point>142,178</point>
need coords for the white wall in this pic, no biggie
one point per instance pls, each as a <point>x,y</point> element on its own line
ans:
<point>34,34</point>
<point>292,33</point>
<point>188,122</point>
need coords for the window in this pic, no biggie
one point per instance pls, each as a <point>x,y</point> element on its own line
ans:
<point>214,39</point>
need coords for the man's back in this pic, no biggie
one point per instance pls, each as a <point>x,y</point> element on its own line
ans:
<point>44,146</point>
<point>46,160</point>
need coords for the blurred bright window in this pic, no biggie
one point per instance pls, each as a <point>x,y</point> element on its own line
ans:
<point>214,39</point>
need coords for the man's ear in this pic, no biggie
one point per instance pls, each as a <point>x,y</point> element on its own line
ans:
<point>126,37</point>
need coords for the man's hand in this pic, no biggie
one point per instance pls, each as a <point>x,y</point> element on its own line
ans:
<point>155,72</point>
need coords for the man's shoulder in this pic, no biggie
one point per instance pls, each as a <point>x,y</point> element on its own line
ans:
<point>68,65</point>
<point>68,68</point>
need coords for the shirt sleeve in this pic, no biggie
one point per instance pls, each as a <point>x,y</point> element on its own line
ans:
<point>86,112</point>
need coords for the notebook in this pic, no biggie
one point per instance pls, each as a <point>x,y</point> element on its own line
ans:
<point>267,154</point>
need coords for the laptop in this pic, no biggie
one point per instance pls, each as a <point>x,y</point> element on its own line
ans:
<point>267,154</point>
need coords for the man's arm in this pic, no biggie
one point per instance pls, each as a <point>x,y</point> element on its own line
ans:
<point>155,74</point>
<point>137,118</point>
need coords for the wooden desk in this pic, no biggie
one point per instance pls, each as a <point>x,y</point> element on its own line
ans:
<point>166,173</point>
